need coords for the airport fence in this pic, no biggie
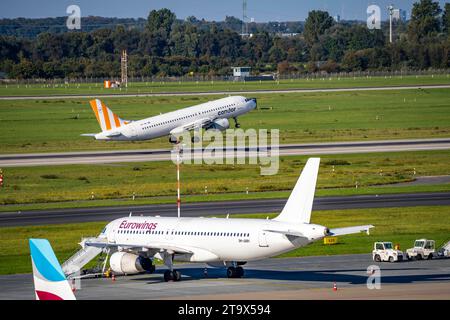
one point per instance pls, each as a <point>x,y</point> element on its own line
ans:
<point>209,78</point>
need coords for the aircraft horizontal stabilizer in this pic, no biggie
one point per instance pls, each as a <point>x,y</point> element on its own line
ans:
<point>350,230</point>
<point>114,134</point>
<point>287,233</point>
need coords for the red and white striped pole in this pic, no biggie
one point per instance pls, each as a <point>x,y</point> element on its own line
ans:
<point>178,182</point>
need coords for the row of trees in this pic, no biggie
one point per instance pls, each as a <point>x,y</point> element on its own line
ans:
<point>170,47</point>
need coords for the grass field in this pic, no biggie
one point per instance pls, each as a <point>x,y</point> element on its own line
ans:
<point>399,225</point>
<point>157,180</point>
<point>206,86</point>
<point>56,125</point>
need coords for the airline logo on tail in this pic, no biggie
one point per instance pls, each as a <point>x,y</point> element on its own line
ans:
<point>106,118</point>
<point>50,283</point>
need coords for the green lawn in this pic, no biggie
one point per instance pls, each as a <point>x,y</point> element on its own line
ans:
<point>399,225</point>
<point>205,86</point>
<point>155,182</point>
<point>56,125</point>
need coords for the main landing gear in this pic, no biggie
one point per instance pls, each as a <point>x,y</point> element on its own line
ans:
<point>236,124</point>
<point>171,274</point>
<point>235,272</point>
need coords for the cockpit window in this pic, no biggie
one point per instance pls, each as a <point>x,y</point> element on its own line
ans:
<point>103,231</point>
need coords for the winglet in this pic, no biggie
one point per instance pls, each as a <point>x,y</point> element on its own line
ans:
<point>299,205</point>
<point>50,283</point>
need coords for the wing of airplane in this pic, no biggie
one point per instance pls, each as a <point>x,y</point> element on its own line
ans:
<point>350,230</point>
<point>199,123</point>
<point>156,246</point>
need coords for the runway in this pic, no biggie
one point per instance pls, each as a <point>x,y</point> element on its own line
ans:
<point>212,93</point>
<point>143,155</point>
<point>276,278</point>
<point>199,209</point>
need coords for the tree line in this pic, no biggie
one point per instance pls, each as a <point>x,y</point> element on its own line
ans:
<point>167,46</point>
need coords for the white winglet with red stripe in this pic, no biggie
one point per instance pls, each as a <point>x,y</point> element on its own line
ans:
<point>106,118</point>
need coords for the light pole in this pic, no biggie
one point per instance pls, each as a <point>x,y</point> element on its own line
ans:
<point>391,12</point>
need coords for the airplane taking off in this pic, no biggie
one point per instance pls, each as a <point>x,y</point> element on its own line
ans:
<point>220,242</point>
<point>50,283</point>
<point>212,115</point>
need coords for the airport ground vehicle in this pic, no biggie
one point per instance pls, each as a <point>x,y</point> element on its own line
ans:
<point>384,251</point>
<point>423,249</point>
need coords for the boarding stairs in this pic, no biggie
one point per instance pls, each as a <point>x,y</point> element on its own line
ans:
<point>444,250</point>
<point>82,256</point>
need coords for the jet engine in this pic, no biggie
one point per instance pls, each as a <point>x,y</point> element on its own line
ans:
<point>219,124</point>
<point>129,263</point>
<point>173,139</point>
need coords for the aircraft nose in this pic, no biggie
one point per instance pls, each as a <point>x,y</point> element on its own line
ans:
<point>255,101</point>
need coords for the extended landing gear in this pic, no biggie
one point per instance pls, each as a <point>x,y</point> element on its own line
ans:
<point>171,274</point>
<point>235,272</point>
<point>174,275</point>
<point>236,124</point>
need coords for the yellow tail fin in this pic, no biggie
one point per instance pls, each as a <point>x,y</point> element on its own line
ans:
<point>106,118</point>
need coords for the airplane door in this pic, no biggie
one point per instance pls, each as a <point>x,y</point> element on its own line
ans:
<point>262,239</point>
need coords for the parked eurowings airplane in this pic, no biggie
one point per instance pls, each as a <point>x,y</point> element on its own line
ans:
<point>49,280</point>
<point>209,115</point>
<point>220,242</point>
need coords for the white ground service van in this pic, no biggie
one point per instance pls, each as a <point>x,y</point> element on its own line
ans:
<point>384,251</point>
<point>423,249</point>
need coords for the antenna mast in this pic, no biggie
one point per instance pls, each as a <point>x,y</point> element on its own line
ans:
<point>244,18</point>
<point>124,68</point>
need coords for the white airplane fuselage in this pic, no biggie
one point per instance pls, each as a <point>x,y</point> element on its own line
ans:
<point>213,239</point>
<point>135,241</point>
<point>164,124</point>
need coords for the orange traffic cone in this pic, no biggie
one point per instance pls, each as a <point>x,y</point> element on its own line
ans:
<point>334,287</point>
<point>113,277</point>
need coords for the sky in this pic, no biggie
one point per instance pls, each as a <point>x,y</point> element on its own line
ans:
<point>259,10</point>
